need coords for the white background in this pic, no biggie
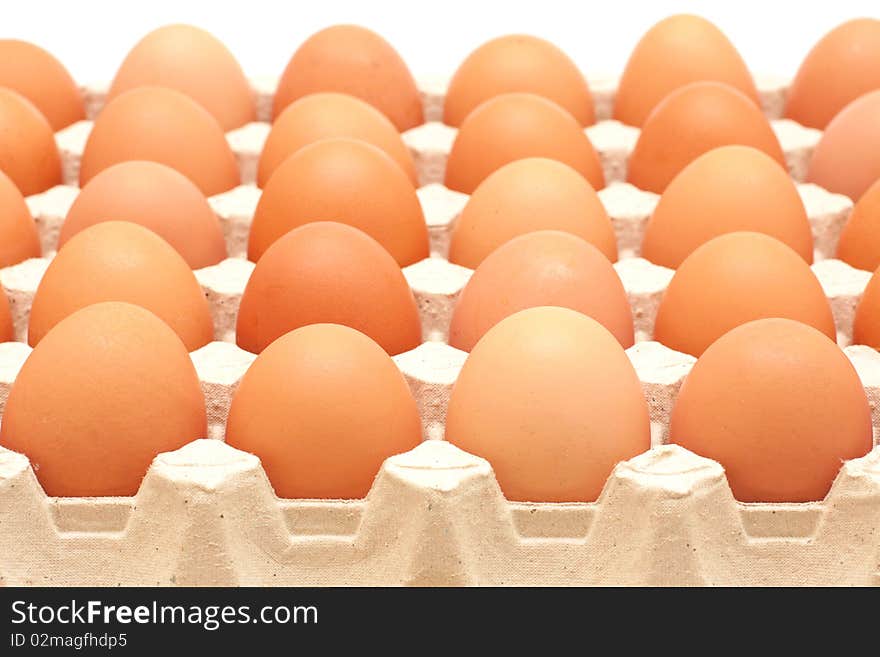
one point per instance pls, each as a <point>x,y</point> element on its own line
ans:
<point>91,37</point>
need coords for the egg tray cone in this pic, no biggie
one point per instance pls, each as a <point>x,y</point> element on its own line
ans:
<point>206,515</point>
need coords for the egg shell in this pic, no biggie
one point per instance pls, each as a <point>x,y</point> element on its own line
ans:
<point>43,80</point>
<point>733,279</point>
<point>690,121</point>
<point>866,323</point>
<point>859,243</point>
<point>104,392</point>
<point>728,189</point>
<point>847,158</point>
<point>779,405</point>
<point>154,196</point>
<point>323,406</point>
<point>18,232</point>
<point>518,63</point>
<point>7,328</point>
<point>842,66</point>
<point>524,196</point>
<point>161,125</point>
<point>28,154</point>
<point>327,272</point>
<point>512,127</point>
<point>551,400</point>
<point>544,268</point>
<point>352,60</point>
<point>348,181</point>
<point>327,115</point>
<point>194,62</point>
<point>675,52</point>
<point>122,261</point>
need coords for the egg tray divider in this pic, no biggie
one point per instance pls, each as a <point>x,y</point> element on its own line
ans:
<point>206,515</point>
<point>479,538</point>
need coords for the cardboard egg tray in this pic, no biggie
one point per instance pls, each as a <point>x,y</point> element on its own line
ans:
<point>207,515</point>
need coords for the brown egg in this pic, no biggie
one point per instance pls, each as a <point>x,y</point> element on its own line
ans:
<point>156,197</point>
<point>121,261</point>
<point>859,243</point>
<point>866,324</point>
<point>518,62</point>
<point>778,405</point>
<point>734,279</point>
<point>524,196</point>
<point>728,189</point>
<point>544,268</point>
<point>108,389</point>
<point>675,52</point>
<point>43,80</point>
<point>691,121</point>
<point>161,125</point>
<point>323,406</point>
<point>355,61</point>
<point>194,62</point>
<point>514,126</point>
<point>847,158</point>
<point>348,181</point>
<point>18,232</point>
<point>326,115</point>
<point>551,400</point>
<point>844,65</point>
<point>28,154</point>
<point>327,272</point>
<point>7,331</point>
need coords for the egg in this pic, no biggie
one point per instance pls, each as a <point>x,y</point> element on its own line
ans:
<point>122,261</point>
<point>348,181</point>
<point>847,158</point>
<point>156,197</point>
<point>734,279</point>
<point>327,272</point>
<point>108,389</point>
<point>356,61</point>
<point>323,406</point>
<point>194,62</point>
<point>544,268</point>
<point>326,115</point>
<point>859,243</point>
<point>514,126</point>
<point>524,196</point>
<point>165,126</point>
<point>728,189</point>
<point>518,62</point>
<point>778,405</point>
<point>18,232</point>
<point>675,52</point>
<point>691,121</point>
<point>550,399</point>
<point>28,154</point>
<point>842,66</point>
<point>43,80</point>
<point>7,331</point>
<point>866,323</point>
